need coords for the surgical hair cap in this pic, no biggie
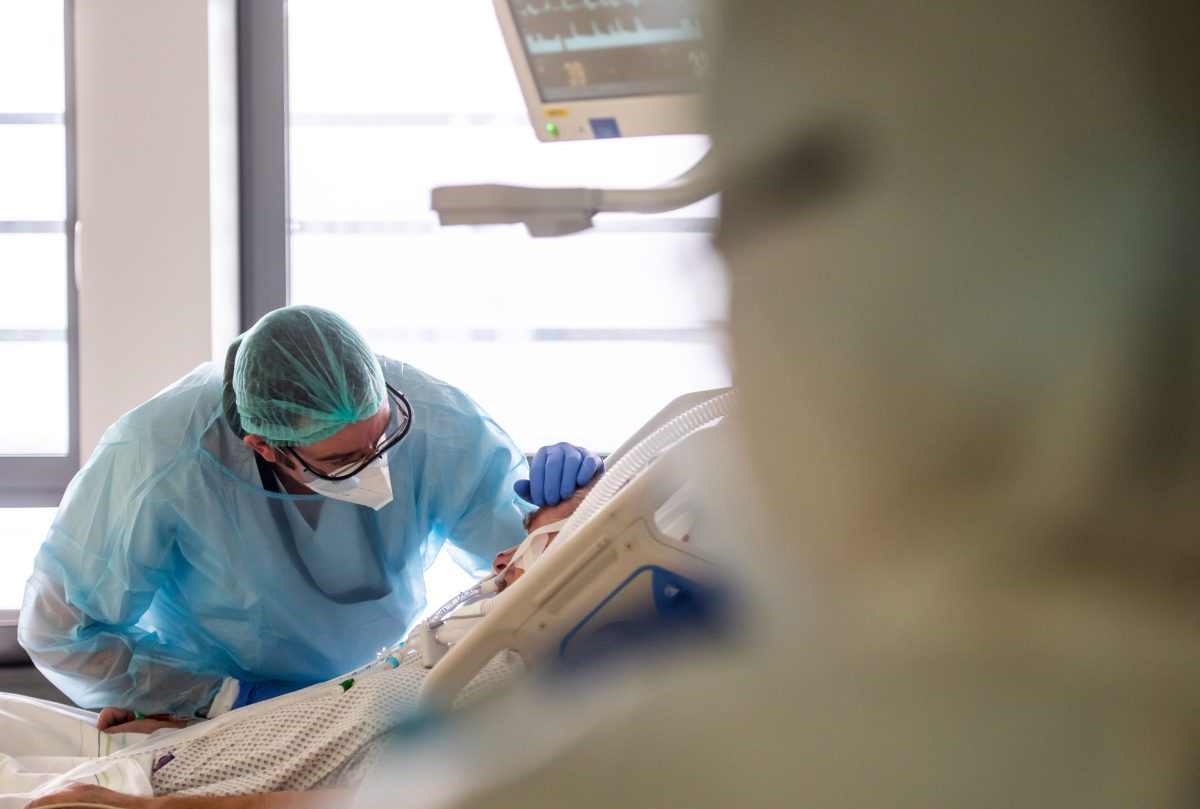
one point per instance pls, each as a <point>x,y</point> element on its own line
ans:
<point>300,375</point>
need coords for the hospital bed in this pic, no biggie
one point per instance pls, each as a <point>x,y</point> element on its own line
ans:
<point>624,564</point>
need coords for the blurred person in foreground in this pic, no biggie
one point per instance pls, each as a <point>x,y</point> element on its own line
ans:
<point>964,250</point>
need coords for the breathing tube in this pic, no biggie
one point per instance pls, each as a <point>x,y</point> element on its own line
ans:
<point>474,591</point>
<point>627,467</point>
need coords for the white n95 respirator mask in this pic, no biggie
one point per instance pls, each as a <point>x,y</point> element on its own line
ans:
<point>372,486</point>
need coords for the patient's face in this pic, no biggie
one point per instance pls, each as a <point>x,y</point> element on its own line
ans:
<point>544,516</point>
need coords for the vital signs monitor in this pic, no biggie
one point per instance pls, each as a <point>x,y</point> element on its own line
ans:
<point>608,68</point>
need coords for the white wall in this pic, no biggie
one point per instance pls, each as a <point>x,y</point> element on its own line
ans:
<point>157,260</point>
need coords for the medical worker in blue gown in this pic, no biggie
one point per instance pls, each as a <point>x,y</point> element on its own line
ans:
<point>258,528</point>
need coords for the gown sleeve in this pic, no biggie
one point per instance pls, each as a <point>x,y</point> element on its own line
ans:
<point>110,548</point>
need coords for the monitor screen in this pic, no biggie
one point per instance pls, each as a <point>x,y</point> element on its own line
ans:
<point>600,48</point>
<point>607,68</point>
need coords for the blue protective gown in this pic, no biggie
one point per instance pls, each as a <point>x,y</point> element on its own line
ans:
<point>170,567</point>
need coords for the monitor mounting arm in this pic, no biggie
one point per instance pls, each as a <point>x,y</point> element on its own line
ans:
<point>560,211</point>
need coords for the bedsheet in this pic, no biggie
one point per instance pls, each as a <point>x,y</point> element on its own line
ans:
<point>42,743</point>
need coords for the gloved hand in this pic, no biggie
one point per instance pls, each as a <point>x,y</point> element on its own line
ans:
<point>556,472</point>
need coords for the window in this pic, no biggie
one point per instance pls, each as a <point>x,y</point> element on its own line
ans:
<point>578,338</point>
<point>38,451</point>
<point>38,440</point>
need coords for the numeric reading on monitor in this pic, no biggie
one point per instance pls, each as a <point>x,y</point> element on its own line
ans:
<point>582,49</point>
<point>576,73</point>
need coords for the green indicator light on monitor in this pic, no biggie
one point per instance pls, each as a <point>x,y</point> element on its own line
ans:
<point>552,128</point>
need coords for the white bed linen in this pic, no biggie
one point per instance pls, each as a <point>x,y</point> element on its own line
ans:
<point>45,746</point>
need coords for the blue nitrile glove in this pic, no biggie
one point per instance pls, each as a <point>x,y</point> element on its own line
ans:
<point>556,472</point>
<point>250,693</point>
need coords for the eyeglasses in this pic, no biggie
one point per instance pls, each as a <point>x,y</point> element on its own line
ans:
<point>401,413</point>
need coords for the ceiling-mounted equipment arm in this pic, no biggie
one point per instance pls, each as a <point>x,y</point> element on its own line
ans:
<point>560,211</point>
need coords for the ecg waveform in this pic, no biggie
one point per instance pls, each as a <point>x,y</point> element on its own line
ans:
<point>585,25</point>
<point>548,7</point>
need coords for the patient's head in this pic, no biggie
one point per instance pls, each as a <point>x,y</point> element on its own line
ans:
<point>534,520</point>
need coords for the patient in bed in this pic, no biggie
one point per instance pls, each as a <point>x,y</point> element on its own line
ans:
<point>293,751</point>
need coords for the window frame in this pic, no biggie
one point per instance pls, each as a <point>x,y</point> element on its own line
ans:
<point>263,156</point>
<point>39,480</point>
